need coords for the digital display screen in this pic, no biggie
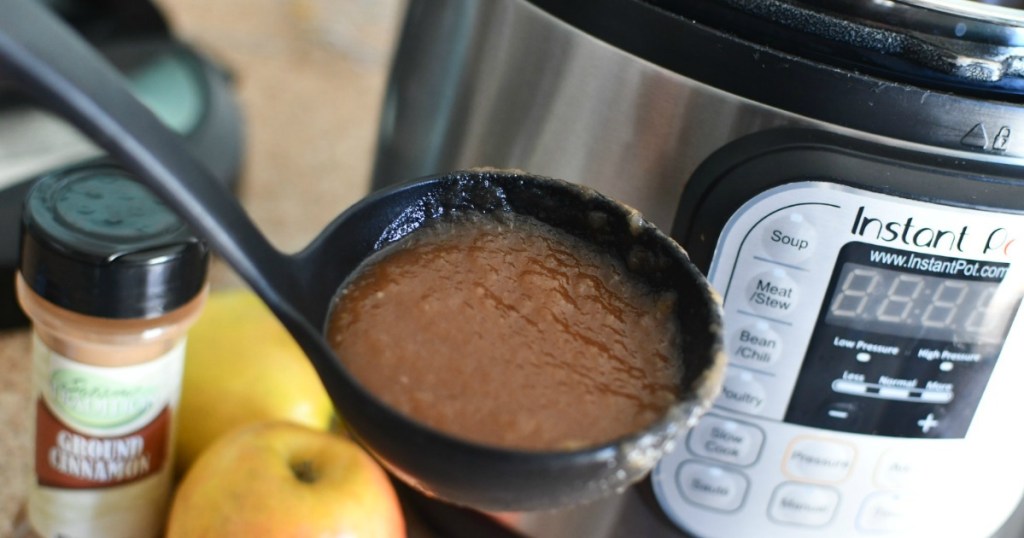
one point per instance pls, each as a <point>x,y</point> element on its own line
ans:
<point>905,343</point>
<point>923,306</point>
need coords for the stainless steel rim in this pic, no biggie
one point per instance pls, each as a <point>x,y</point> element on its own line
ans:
<point>980,11</point>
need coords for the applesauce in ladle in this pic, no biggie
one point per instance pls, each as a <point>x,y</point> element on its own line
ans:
<point>49,61</point>
<point>505,331</point>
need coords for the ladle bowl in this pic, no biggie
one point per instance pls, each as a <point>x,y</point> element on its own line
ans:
<point>50,63</point>
<point>500,479</point>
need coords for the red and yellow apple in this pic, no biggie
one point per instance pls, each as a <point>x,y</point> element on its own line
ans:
<point>277,479</point>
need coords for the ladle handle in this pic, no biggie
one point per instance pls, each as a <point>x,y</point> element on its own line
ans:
<point>57,68</point>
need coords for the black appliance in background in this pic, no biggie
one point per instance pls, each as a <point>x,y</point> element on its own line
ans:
<point>190,92</point>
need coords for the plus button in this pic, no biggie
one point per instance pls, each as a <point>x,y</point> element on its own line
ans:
<point>927,423</point>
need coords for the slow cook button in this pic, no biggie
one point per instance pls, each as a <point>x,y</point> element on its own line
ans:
<point>790,238</point>
<point>742,392</point>
<point>772,293</point>
<point>819,460</point>
<point>725,440</point>
<point>755,344</point>
<point>803,504</point>
<point>712,486</point>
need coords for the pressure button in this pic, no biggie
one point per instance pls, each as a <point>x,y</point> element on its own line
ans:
<point>789,238</point>
<point>819,460</point>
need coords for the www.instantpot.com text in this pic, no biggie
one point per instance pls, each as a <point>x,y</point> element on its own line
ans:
<point>934,264</point>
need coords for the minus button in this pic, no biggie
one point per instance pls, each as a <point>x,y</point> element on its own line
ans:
<point>841,414</point>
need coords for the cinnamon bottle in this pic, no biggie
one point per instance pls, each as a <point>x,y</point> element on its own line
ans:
<point>111,280</point>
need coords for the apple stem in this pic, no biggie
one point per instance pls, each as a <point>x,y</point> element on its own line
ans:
<point>303,470</point>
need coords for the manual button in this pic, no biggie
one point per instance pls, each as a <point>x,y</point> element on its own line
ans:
<point>803,504</point>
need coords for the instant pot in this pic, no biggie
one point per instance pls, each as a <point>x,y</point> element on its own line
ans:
<point>848,173</point>
<point>190,92</point>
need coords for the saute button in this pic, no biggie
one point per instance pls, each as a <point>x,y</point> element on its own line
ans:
<point>726,440</point>
<point>772,293</point>
<point>711,486</point>
<point>755,344</point>
<point>819,460</point>
<point>803,504</point>
<point>790,238</point>
<point>742,392</point>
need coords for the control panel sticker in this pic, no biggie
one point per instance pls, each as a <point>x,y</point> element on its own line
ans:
<point>904,345</point>
<point>873,378</point>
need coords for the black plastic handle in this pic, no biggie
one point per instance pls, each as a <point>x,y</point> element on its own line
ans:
<point>48,61</point>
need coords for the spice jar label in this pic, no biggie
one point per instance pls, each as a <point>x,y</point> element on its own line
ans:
<point>97,400</point>
<point>66,458</point>
<point>106,400</point>
<point>101,426</point>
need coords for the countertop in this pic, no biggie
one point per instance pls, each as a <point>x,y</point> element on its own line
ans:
<point>310,77</point>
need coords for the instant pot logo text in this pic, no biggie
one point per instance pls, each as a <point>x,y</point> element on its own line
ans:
<point>910,233</point>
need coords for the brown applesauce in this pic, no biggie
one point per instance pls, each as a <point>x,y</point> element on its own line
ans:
<point>508,332</point>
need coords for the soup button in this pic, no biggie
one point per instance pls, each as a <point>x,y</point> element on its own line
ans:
<point>790,238</point>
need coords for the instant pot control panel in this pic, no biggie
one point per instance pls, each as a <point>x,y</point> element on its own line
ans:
<point>876,380</point>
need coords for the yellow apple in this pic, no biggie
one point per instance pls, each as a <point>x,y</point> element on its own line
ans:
<point>277,479</point>
<point>242,366</point>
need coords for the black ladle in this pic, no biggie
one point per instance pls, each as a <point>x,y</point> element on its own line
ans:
<point>39,54</point>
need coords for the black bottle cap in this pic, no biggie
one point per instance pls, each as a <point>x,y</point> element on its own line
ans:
<point>97,242</point>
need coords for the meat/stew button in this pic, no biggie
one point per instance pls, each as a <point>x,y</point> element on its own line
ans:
<point>772,293</point>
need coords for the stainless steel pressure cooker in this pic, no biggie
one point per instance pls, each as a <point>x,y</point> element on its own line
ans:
<point>850,175</point>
